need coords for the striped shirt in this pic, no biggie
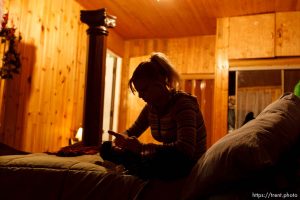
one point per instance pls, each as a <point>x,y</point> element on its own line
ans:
<point>179,126</point>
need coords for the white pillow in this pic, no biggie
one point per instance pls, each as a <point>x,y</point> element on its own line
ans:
<point>257,145</point>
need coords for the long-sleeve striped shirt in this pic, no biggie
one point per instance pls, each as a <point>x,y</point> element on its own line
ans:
<point>179,126</point>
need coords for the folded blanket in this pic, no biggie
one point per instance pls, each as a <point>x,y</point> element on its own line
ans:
<point>77,149</point>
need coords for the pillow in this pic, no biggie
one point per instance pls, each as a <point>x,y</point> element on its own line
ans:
<point>250,149</point>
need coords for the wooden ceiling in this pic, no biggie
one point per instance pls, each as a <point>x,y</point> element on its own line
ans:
<point>137,19</point>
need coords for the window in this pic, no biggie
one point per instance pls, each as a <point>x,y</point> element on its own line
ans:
<point>253,90</point>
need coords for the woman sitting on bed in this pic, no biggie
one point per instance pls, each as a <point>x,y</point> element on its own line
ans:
<point>175,121</point>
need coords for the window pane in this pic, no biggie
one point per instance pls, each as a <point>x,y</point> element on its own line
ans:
<point>259,78</point>
<point>256,90</point>
<point>291,78</point>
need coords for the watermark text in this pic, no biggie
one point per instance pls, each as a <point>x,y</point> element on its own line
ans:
<point>269,195</point>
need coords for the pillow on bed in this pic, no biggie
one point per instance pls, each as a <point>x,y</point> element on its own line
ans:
<point>257,145</point>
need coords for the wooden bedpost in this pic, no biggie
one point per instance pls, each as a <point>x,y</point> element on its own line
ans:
<point>98,22</point>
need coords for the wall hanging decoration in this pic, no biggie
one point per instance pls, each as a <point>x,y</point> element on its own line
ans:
<point>11,62</point>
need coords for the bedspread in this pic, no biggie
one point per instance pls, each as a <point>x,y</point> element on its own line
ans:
<point>42,176</point>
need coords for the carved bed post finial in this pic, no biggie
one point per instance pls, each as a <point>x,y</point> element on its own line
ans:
<point>98,22</point>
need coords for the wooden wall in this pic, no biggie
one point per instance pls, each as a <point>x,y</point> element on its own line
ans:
<point>264,36</point>
<point>42,106</point>
<point>221,80</point>
<point>191,55</point>
<point>241,40</point>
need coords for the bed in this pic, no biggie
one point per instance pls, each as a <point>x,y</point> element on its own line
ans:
<point>259,159</point>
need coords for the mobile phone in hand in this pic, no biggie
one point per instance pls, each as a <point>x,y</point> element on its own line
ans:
<point>117,134</point>
<point>114,133</point>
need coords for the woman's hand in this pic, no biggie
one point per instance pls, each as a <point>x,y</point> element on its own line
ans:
<point>122,141</point>
<point>134,145</point>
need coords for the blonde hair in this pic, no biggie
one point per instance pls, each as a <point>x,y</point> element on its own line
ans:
<point>157,68</point>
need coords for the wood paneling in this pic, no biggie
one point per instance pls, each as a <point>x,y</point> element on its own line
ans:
<point>188,55</point>
<point>43,105</point>
<point>115,43</point>
<point>221,80</point>
<point>287,34</point>
<point>203,89</point>
<point>179,18</point>
<point>252,36</point>
<point>41,108</point>
<point>206,89</point>
<point>193,54</point>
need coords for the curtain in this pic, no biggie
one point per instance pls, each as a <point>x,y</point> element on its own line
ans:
<point>254,99</point>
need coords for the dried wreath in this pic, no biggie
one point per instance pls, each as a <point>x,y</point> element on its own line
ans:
<point>11,62</point>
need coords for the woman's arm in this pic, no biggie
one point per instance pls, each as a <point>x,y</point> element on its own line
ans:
<point>140,125</point>
<point>127,140</point>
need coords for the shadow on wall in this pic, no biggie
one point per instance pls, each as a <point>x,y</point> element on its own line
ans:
<point>16,95</point>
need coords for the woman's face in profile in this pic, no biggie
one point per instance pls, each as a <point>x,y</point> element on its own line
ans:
<point>152,92</point>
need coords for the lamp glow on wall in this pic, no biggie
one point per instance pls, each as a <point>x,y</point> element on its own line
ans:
<point>77,138</point>
<point>78,135</point>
